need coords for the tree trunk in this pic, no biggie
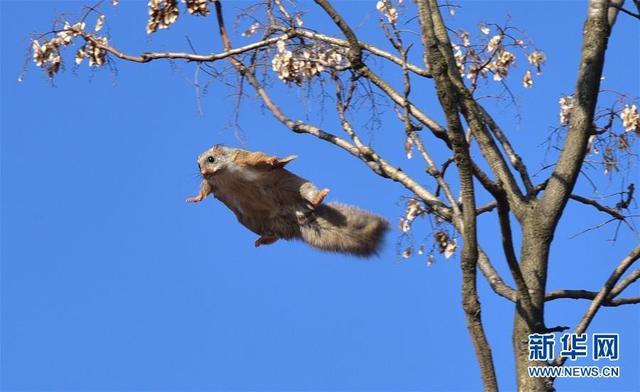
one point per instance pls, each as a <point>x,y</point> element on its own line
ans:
<point>534,258</point>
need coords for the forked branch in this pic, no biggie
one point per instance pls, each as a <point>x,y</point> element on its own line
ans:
<point>601,297</point>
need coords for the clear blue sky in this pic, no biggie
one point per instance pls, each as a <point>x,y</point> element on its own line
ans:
<point>110,281</point>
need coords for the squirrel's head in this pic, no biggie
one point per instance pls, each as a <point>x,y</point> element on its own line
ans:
<point>215,159</point>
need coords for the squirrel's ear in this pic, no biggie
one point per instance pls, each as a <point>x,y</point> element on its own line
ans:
<point>283,161</point>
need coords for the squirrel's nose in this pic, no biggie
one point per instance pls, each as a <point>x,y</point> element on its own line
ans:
<point>207,172</point>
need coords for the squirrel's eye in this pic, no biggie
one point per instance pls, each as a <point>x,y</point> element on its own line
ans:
<point>211,159</point>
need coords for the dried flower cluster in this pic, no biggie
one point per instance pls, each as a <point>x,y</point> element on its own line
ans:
<point>197,7</point>
<point>494,43</point>
<point>96,55</point>
<point>608,147</point>
<point>99,23</point>
<point>500,66</point>
<point>162,14</point>
<point>414,210</point>
<point>387,9</point>
<point>566,106</point>
<point>442,240</point>
<point>537,58</point>
<point>464,37</point>
<point>47,55</point>
<point>630,118</point>
<point>527,80</point>
<point>302,64</point>
<point>492,57</point>
<point>446,245</point>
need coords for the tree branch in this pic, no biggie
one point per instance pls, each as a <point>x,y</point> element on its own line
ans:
<point>585,294</point>
<point>611,211</point>
<point>495,281</point>
<point>632,277</point>
<point>474,117</point>
<point>614,7</point>
<point>611,299</point>
<point>229,53</point>
<point>287,33</point>
<point>449,99</point>
<point>565,174</point>
<point>626,11</point>
<point>524,302</point>
<point>601,296</point>
<point>300,32</point>
<point>355,57</point>
<point>150,56</point>
<point>514,158</point>
<point>410,130</point>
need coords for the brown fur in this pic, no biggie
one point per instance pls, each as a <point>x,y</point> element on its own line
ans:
<point>277,204</point>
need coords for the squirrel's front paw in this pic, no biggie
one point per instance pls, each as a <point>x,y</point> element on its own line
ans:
<point>195,199</point>
<point>272,161</point>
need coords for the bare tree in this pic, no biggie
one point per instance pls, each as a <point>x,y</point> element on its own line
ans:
<point>482,157</point>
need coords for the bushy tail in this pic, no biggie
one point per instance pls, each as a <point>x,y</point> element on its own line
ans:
<point>345,229</point>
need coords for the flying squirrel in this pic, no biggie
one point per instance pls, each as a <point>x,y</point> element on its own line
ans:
<point>276,204</point>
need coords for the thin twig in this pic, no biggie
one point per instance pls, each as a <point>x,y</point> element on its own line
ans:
<point>613,212</point>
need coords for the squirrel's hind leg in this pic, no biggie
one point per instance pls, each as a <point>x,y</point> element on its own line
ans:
<point>265,240</point>
<point>311,194</point>
<point>320,197</point>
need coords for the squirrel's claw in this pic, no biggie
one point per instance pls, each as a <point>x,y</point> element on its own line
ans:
<point>282,162</point>
<point>265,240</point>
<point>196,199</point>
<point>278,163</point>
